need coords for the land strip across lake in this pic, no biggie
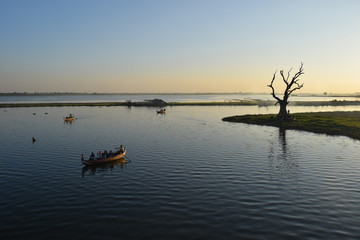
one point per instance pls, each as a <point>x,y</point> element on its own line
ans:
<point>164,104</point>
<point>331,123</point>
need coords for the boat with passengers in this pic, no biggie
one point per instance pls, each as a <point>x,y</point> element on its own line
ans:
<point>69,118</point>
<point>104,157</point>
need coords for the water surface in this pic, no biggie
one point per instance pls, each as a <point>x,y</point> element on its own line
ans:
<point>166,97</point>
<point>188,175</point>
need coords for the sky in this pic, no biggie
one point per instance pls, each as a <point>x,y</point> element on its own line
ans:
<point>178,46</point>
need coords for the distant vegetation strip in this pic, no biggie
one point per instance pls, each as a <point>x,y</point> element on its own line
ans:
<point>249,102</point>
<point>86,104</point>
<point>331,123</point>
<point>129,104</point>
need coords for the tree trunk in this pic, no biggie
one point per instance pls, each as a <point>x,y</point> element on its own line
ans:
<point>283,114</point>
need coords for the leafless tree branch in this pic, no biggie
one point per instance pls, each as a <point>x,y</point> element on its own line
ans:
<point>273,89</point>
<point>291,86</point>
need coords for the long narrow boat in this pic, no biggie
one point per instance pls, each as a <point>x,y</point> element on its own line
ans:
<point>117,155</point>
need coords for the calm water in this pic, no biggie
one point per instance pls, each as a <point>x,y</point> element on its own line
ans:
<point>165,97</point>
<point>189,175</point>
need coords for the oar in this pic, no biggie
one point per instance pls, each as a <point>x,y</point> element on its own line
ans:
<point>127,158</point>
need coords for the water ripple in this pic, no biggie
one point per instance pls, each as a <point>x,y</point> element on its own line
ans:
<point>188,176</point>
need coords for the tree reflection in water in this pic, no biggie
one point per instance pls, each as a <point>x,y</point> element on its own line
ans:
<point>282,159</point>
<point>104,168</point>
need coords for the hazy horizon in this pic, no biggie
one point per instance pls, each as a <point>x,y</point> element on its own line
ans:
<point>178,46</point>
<point>179,93</point>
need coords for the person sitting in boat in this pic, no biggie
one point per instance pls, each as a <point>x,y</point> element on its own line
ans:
<point>121,149</point>
<point>92,156</point>
<point>111,153</point>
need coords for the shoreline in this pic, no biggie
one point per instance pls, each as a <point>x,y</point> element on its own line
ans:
<point>127,104</point>
<point>330,123</point>
<point>259,103</point>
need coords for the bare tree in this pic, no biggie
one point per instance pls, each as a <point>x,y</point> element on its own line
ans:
<point>291,86</point>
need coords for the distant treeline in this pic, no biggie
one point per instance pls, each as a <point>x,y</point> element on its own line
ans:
<point>42,93</point>
<point>104,93</point>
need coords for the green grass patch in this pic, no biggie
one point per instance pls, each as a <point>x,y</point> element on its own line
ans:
<point>331,123</point>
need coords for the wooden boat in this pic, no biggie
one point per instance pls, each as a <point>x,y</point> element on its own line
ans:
<point>69,118</point>
<point>99,160</point>
<point>162,111</point>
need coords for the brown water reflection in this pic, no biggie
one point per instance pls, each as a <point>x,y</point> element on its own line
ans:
<point>104,168</point>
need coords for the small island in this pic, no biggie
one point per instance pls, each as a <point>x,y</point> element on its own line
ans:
<point>331,123</point>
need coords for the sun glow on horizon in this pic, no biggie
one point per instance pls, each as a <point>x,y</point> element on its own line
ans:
<point>177,46</point>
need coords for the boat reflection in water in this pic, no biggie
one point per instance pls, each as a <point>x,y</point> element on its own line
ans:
<point>69,123</point>
<point>104,168</point>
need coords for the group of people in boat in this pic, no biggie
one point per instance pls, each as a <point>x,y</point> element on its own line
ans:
<point>100,155</point>
<point>162,111</point>
<point>70,116</point>
<point>106,154</point>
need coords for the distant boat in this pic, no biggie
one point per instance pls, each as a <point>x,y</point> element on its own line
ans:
<point>101,160</point>
<point>69,118</point>
<point>162,111</point>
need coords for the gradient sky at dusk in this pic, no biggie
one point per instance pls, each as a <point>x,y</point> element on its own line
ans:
<point>177,46</point>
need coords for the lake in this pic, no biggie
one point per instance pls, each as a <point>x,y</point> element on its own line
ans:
<point>188,175</point>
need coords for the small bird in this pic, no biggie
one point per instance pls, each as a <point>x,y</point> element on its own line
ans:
<point>33,139</point>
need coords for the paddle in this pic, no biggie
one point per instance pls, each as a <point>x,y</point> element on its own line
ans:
<point>127,158</point>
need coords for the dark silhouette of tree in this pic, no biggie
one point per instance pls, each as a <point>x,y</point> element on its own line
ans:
<point>291,86</point>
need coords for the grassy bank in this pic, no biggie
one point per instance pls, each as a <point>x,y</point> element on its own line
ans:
<point>331,123</point>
